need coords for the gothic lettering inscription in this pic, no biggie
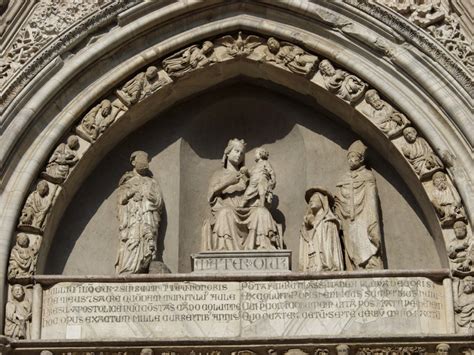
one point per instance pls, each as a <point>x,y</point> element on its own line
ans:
<point>243,309</point>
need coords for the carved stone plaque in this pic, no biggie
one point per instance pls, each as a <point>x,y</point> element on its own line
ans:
<point>241,309</point>
<point>242,261</point>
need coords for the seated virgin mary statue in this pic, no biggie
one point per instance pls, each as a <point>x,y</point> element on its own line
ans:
<point>235,222</point>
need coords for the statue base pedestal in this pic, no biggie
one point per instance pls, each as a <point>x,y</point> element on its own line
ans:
<point>242,261</point>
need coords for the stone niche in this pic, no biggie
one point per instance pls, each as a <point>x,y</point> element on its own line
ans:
<point>307,147</point>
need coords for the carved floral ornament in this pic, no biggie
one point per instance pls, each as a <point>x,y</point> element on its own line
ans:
<point>105,113</point>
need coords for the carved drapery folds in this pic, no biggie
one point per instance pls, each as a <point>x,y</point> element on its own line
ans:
<point>107,111</point>
<point>386,118</point>
<point>141,86</point>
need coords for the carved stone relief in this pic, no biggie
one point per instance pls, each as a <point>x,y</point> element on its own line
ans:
<point>346,86</point>
<point>385,117</point>
<point>410,350</point>
<point>141,86</point>
<point>464,304</point>
<point>356,203</point>
<point>320,246</point>
<point>47,21</point>
<point>189,59</point>
<point>36,207</point>
<point>64,157</point>
<point>442,349</point>
<point>24,255</point>
<point>18,314</point>
<point>441,23</point>
<point>232,225</point>
<point>140,204</point>
<point>461,249</point>
<point>419,154</point>
<point>446,200</point>
<point>289,56</point>
<point>242,46</point>
<point>98,119</point>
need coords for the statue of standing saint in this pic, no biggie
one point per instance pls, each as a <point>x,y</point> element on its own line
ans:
<point>356,203</point>
<point>139,207</point>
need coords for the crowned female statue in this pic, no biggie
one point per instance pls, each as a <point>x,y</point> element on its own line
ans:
<point>235,222</point>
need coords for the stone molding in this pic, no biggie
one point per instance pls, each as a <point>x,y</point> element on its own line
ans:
<point>25,57</point>
<point>414,34</point>
<point>146,59</point>
<point>271,51</point>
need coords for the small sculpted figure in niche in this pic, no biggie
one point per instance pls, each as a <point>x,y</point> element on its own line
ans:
<point>231,226</point>
<point>240,47</point>
<point>18,314</point>
<point>320,246</point>
<point>464,305</point>
<point>139,207</point>
<point>420,155</point>
<point>460,249</point>
<point>63,159</point>
<point>262,180</point>
<point>97,120</point>
<point>23,256</point>
<point>387,119</point>
<point>356,204</point>
<point>346,86</point>
<point>446,200</point>
<point>290,56</point>
<point>36,208</point>
<point>189,59</point>
<point>442,349</point>
<point>141,86</point>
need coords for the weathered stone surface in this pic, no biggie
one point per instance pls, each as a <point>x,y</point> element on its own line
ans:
<point>242,261</point>
<point>232,309</point>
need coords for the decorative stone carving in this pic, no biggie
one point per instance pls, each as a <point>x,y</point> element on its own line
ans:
<point>426,13</point>
<point>99,16</point>
<point>320,246</point>
<point>141,86</point>
<point>98,119</point>
<point>23,256</point>
<point>140,204</point>
<point>346,86</point>
<point>460,250</point>
<point>36,207</point>
<point>419,154</point>
<point>450,35</point>
<point>262,181</point>
<point>442,349</point>
<point>65,156</point>
<point>356,203</point>
<point>240,46</point>
<point>295,352</point>
<point>146,351</point>
<point>441,24</point>
<point>46,352</point>
<point>446,200</point>
<point>466,351</point>
<point>18,314</point>
<point>321,352</point>
<point>189,59</point>
<point>243,352</point>
<point>464,305</point>
<point>231,227</point>
<point>408,350</point>
<point>289,56</point>
<point>342,349</point>
<point>48,20</point>
<point>386,118</point>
